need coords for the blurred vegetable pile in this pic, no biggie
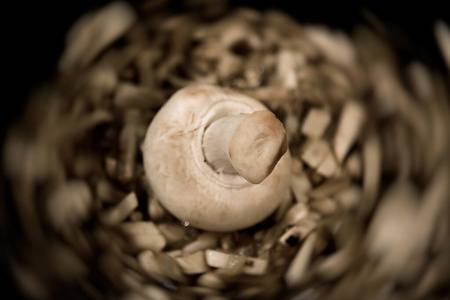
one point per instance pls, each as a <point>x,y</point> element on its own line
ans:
<point>368,214</point>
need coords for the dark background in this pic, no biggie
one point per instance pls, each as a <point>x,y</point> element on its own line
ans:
<point>34,33</point>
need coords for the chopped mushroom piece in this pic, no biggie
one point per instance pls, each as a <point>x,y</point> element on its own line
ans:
<point>94,32</point>
<point>196,291</point>
<point>155,210</point>
<point>314,152</point>
<point>349,127</point>
<point>129,95</point>
<point>336,264</point>
<point>143,235</point>
<point>193,263</point>
<point>442,34</point>
<point>295,274</point>
<point>245,264</point>
<point>296,213</point>
<point>204,241</point>
<point>324,206</point>
<point>372,172</point>
<point>316,123</point>
<point>158,264</point>
<point>148,262</point>
<point>211,280</point>
<point>154,292</point>
<point>111,166</point>
<point>173,233</point>
<point>286,75</point>
<point>329,188</point>
<point>175,253</point>
<point>121,211</point>
<point>106,192</point>
<point>298,232</point>
<point>69,204</point>
<point>353,165</point>
<point>335,45</point>
<point>349,198</point>
<point>394,237</point>
<point>128,143</point>
<point>301,186</point>
<point>329,166</point>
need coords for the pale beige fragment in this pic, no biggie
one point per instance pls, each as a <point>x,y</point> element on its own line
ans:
<point>371,173</point>
<point>301,185</point>
<point>296,213</point>
<point>69,204</point>
<point>394,236</point>
<point>172,233</point>
<point>211,280</point>
<point>296,272</point>
<point>421,81</point>
<point>329,188</point>
<point>128,145</point>
<point>329,166</point>
<point>298,232</point>
<point>175,253</point>
<point>197,291</point>
<point>194,263</point>
<point>442,34</point>
<point>111,166</point>
<point>325,206</point>
<point>248,265</point>
<point>121,211</point>
<point>350,124</point>
<point>131,279</point>
<point>129,95</point>
<point>349,198</point>
<point>353,165</point>
<point>335,45</point>
<point>143,235</point>
<point>314,152</point>
<point>93,32</point>
<point>316,122</point>
<point>102,83</point>
<point>286,74</point>
<point>156,210</point>
<point>154,292</point>
<point>106,192</point>
<point>160,265</point>
<point>229,65</point>
<point>204,241</point>
<point>255,266</point>
<point>336,264</point>
<point>147,260</point>
<point>222,260</point>
<point>291,124</point>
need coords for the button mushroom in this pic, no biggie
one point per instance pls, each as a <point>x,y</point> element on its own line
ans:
<point>216,159</point>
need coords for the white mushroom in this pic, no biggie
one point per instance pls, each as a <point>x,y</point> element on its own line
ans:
<point>216,159</point>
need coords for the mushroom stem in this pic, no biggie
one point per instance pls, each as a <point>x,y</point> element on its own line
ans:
<point>246,144</point>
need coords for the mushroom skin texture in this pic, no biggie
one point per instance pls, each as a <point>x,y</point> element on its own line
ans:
<point>183,181</point>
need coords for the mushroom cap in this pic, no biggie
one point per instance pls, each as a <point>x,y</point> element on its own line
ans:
<point>185,184</point>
